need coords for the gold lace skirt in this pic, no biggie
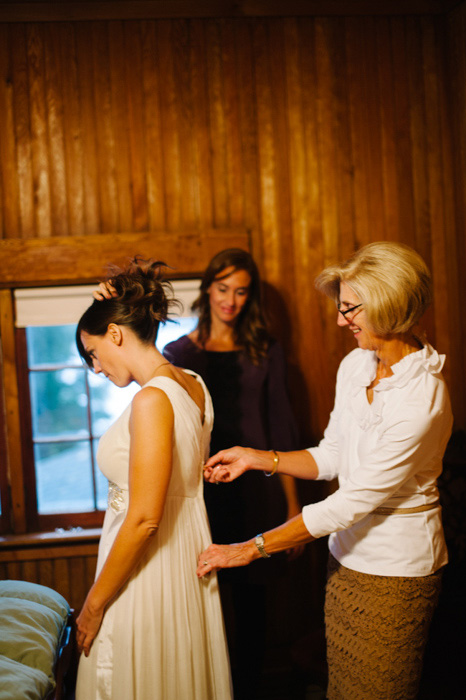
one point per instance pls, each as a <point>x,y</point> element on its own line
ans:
<point>376,630</point>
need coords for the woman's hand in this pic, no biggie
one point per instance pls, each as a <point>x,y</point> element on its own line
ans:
<point>228,465</point>
<point>88,624</point>
<point>225,556</point>
<point>105,290</point>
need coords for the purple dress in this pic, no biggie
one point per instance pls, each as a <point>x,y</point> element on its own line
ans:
<point>252,409</point>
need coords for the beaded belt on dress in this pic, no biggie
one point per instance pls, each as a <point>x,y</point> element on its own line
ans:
<point>415,509</point>
<point>115,498</point>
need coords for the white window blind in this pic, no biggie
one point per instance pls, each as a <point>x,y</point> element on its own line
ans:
<point>57,306</point>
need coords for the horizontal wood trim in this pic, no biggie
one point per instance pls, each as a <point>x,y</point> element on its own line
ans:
<point>58,260</point>
<point>151,9</point>
<point>38,553</point>
<point>39,539</point>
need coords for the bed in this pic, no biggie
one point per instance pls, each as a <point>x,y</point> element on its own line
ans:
<point>35,641</point>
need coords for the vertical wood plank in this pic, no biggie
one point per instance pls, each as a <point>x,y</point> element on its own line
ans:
<point>120,118</point>
<point>104,129</point>
<point>201,129</point>
<point>55,130</point>
<point>85,77</point>
<point>217,122</point>
<point>171,161</point>
<point>39,135</point>
<point>26,223</point>
<point>135,134</point>
<point>72,129</point>
<point>153,126</point>
<point>9,208</point>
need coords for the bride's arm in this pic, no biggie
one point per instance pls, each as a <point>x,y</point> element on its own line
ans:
<point>151,430</point>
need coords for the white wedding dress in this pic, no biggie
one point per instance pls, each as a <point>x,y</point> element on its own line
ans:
<point>162,638</point>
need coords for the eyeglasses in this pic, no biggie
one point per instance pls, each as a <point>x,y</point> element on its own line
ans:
<point>348,311</point>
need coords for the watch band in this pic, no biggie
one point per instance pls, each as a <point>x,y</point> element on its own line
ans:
<point>260,544</point>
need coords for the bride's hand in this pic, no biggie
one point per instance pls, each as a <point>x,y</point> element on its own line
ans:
<point>105,290</point>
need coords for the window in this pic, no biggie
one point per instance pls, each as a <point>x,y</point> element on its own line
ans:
<point>66,408</point>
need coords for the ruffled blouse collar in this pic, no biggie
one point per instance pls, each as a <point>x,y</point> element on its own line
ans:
<point>424,360</point>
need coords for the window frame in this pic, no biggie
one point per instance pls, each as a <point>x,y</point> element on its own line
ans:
<point>73,260</point>
<point>36,520</point>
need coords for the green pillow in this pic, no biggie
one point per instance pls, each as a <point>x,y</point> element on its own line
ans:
<point>19,682</point>
<point>39,594</point>
<point>32,620</point>
<point>31,633</point>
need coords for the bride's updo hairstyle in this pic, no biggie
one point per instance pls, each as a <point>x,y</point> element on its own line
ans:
<point>142,300</point>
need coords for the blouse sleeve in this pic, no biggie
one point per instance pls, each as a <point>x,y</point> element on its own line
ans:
<point>327,453</point>
<point>409,445</point>
<point>283,433</point>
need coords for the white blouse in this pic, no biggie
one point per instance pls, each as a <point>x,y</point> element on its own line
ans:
<point>387,453</point>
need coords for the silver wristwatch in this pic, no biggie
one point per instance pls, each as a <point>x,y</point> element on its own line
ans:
<point>260,544</point>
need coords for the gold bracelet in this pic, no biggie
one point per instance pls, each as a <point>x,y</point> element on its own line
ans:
<point>276,460</point>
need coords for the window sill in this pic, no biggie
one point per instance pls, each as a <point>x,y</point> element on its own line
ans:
<point>38,539</point>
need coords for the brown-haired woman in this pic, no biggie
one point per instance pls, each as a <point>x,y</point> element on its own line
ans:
<point>245,372</point>
<point>149,629</point>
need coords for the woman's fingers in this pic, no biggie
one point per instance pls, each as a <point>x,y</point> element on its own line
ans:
<point>105,290</point>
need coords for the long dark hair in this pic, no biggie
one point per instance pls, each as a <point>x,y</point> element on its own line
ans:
<point>250,331</point>
<point>142,301</point>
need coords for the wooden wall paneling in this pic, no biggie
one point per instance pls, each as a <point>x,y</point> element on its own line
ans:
<point>217,122</point>
<point>171,162</point>
<point>283,263</point>
<point>357,95</point>
<point>55,129</point>
<point>80,587</point>
<point>435,165</point>
<point>119,64</point>
<point>370,116</point>
<point>25,225</point>
<point>388,135</point>
<point>403,155</point>
<point>420,238</point>
<point>27,11</point>
<point>189,173</point>
<point>153,158</point>
<point>62,578</point>
<point>9,207</point>
<point>312,307</point>
<point>269,253</point>
<point>203,191</point>
<point>88,134</point>
<point>135,134</point>
<point>13,431</point>
<point>305,212</point>
<point>39,140</point>
<point>234,160</point>
<point>343,141</point>
<point>248,129</point>
<point>105,130</point>
<point>454,263</point>
<point>72,129</point>
<point>45,572</point>
<point>328,156</point>
<point>456,104</point>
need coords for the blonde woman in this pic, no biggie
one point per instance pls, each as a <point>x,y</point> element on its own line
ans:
<point>384,443</point>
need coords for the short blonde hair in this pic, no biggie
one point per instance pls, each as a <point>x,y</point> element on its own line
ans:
<point>390,279</point>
